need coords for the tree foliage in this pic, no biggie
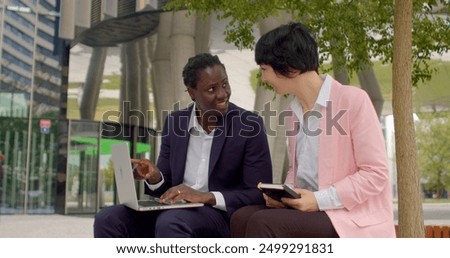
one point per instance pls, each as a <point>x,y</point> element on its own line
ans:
<point>360,30</point>
<point>434,148</point>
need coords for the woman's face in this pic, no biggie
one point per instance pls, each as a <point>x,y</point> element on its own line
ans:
<point>277,81</point>
<point>212,92</point>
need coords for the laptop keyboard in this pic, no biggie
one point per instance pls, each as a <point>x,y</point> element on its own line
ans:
<point>147,203</point>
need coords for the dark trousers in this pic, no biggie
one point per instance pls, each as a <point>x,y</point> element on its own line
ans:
<point>121,221</point>
<point>260,221</point>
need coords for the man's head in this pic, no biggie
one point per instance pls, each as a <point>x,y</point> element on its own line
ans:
<point>207,83</point>
<point>288,49</point>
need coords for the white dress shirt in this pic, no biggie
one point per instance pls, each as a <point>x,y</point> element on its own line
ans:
<point>196,172</point>
<point>308,149</point>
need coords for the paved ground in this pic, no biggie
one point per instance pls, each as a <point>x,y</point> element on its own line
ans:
<point>46,226</point>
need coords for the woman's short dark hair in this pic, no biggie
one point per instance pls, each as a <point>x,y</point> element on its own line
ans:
<point>287,49</point>
<point>198,63</point>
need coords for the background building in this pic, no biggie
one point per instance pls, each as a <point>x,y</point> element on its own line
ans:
<point>51,163</point>
<point>30,66</point>
<point>30,81</point>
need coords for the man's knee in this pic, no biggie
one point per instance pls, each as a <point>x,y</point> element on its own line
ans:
<point>173,224</point>
<point>107,220</point>
<point>107,214</point>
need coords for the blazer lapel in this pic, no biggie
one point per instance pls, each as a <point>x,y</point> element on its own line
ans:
<point>328,144</point>
<point>218,141</point>
<point>181,146</point>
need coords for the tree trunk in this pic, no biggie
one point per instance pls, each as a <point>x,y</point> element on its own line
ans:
<point>265,104</point>
<point>409,198</point>
<point>91,89</point>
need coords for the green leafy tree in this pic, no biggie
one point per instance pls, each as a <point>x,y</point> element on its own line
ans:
<point>433,139</point>
<point>358,30</point>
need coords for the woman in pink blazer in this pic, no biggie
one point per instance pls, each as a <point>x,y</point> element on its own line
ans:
<point>337,157</point>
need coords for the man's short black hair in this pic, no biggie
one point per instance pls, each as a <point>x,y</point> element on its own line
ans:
<point>288,48</point>
<point>198,63</point>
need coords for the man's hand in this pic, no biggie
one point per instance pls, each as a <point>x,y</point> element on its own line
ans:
<point>183,192</point>
<point>144,169</point>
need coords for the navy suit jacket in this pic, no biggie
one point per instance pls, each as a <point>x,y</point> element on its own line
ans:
<point>239,159</point>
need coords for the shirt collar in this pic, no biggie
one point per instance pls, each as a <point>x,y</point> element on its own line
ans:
<point>193,123</point>
<point>324,93</point>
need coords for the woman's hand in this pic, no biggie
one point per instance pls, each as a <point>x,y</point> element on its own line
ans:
<point>272,203</point>
<point>307,202</point>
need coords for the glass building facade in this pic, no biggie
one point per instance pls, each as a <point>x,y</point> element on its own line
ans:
<point>51,164</point>
<point>30,81</point>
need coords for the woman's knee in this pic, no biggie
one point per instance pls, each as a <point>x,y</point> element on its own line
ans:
<point>240,219</point>
<point>244,213</point>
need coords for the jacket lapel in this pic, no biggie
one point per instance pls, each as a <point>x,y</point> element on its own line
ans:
<point>181,146</point>
<point>327,142</point>
<point>218,141</point>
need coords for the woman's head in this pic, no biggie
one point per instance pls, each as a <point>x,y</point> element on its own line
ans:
<point>288,49</point>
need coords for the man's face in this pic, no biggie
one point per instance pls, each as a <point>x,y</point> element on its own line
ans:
<point>212,92</point>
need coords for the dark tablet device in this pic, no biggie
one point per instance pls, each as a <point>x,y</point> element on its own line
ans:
<point>277,191</point>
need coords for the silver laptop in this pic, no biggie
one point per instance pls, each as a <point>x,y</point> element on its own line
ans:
<point>125,183</point>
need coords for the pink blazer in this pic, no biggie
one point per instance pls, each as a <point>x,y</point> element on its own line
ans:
<point>352,157</point>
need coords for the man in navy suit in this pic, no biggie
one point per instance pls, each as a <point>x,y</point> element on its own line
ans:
<point>213,152</point>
